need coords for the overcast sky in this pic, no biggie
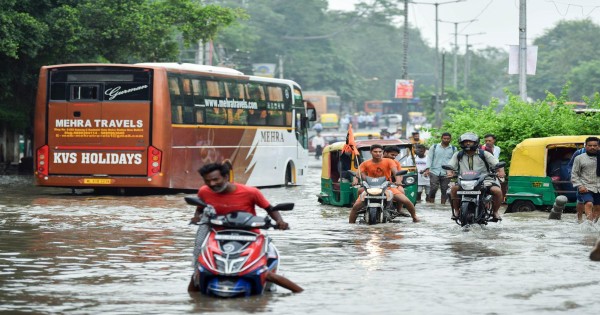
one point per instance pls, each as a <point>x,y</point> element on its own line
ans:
<point>498,19</point>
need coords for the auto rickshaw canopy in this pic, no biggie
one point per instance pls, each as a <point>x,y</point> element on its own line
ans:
<point>529,158</point>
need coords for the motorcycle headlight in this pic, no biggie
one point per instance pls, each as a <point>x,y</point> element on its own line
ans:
<point>409,180</point>
<point>468,184</point>
<point>374,191</point>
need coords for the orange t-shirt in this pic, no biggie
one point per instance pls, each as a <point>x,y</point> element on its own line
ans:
<point>381,169</point>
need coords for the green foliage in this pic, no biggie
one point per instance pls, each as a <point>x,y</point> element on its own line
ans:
<point>34,33</point>
<point>519,120</point>
<point>564,53</point>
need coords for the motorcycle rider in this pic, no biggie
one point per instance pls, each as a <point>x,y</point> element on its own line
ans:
<point>226,197</point>
<point>471,159</point>
<point>380,167</point>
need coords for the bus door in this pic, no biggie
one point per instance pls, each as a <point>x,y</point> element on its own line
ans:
<point>99,122</point>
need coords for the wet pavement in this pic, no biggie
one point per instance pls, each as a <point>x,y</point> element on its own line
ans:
<point>90,254</point>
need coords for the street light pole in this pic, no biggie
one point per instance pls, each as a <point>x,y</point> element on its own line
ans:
<point>523,50</point>
<point>455,77</point>
<point>438,116</point>
<point>467,65</point>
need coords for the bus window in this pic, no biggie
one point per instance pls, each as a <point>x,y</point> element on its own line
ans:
<point>257,117</point>
<point>216,116</point>
<point>275,94</point>
<point>256,92</point>
<point>84,92</point>
<point>188,102</point>
<point>212,89</point>
<point>176,101</point>
<point>243,91</point>
<point>58,91</point>
<point>276,118</point>
<point>198,100</point>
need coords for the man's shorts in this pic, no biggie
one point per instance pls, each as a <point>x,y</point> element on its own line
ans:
<point>588,197</point>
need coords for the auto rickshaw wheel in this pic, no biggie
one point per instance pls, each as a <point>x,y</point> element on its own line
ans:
<point>522,206</point>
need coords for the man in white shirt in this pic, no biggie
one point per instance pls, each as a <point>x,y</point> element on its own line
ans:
<point>318,142</point>
<point>490,140</point>
<point>421,163</point>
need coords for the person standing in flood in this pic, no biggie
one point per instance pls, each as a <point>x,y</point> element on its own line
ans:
<point>439,154</point>
<point>585,177</point>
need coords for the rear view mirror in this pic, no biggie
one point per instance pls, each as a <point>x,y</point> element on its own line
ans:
<point>195,201</point>
<point>402,172</point>
<point>283,206</point>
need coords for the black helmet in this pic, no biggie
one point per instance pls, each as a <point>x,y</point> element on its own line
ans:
<point>469,136</point>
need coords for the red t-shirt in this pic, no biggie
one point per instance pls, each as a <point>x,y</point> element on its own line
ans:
<point>244,198</point>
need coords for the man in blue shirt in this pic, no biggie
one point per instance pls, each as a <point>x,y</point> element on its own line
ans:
<point>439,154</point>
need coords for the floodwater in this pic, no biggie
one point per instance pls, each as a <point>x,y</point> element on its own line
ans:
<point>86,254</point>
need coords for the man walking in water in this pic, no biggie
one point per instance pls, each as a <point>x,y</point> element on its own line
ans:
<point>439,154</point>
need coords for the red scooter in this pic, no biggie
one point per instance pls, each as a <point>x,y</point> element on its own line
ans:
<point>235,258</point>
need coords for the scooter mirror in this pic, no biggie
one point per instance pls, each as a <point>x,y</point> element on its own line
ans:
<point>195,201</point>
<point>283,206</point>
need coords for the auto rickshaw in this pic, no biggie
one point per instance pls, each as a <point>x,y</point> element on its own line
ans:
<point>539,173</point>
<point>337,189</point>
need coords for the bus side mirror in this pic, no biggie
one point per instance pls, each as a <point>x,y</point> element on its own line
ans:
<point>312,114</point>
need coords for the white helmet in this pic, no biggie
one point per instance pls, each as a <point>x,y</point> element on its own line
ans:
<point>469,136</point>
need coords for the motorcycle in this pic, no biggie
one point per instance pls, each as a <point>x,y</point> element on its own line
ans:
<point>475,198</point>
<point>234,257</point>
<point>378,199</point>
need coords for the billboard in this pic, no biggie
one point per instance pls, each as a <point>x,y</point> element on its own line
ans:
<point>404,89</point>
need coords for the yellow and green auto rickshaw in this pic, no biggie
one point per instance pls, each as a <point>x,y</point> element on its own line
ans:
<point>539,173</point>
<point>337,190</point>
<point>330,121</point>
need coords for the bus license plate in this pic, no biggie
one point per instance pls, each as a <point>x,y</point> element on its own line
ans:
<point>468,192</point>
<point>97,181</point>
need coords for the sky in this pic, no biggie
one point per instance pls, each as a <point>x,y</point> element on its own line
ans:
<point>497,22</point>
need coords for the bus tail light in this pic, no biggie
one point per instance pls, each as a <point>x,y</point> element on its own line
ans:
<point>41,166</point>
<point>154,160</point>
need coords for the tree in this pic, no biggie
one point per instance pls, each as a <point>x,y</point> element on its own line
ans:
<point>68,31</point>
<point>560,50</point>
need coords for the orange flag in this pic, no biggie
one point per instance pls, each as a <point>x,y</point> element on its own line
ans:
<point>350,146</point>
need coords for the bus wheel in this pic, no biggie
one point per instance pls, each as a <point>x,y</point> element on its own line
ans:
<point>288,176</point>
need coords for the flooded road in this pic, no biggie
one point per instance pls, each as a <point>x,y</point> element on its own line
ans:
<point>87,254</point>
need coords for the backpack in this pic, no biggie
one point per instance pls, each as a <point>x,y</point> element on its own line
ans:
<point>481,154</point>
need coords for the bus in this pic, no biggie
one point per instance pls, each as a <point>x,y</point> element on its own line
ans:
<point>153,125</point>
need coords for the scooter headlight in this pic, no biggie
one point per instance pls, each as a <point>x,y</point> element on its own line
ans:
<point>468,184</point>
<point>374,191</point>
<point>409,180</point>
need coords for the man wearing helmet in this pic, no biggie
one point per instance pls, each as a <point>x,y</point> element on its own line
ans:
<point>473,158</point>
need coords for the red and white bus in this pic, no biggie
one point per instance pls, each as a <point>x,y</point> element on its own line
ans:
<point>156,124</point>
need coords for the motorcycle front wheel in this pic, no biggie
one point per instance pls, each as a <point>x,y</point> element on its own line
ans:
<point>467,214</point>
<point>372,215</point>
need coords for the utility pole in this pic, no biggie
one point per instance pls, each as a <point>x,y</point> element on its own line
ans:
<point>405,68</point>
<point>523,50</point>
<point>467,64</point>
<point>438,117</point>
<point>455,77</point>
